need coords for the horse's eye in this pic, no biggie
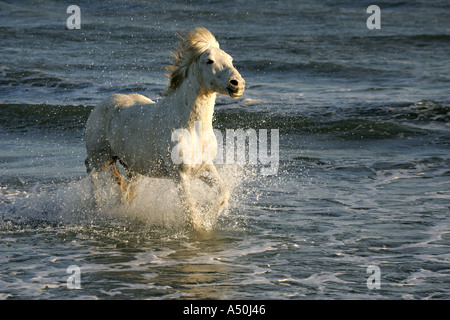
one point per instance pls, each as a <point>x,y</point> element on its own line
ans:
<point>210,61</point>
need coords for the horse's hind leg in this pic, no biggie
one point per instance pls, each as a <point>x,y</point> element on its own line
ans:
<point>115,173</point>
<point>96,189</point>
<point>126,189</point>
<point>93,179</point>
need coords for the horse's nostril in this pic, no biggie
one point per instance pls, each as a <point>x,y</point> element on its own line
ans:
<point>234,83</point>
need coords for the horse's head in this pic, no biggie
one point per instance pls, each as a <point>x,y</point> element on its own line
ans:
<point>216,72</point>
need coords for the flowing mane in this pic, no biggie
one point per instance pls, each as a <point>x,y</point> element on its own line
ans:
<point>189,49</point>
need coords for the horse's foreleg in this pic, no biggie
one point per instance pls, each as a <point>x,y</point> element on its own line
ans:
<point>188,202</point>
<point>212,179</point>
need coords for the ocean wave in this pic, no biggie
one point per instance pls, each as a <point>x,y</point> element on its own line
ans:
<point>352,128</point>
<point>24,117</point>
<point>17,82</point>
<point>315,67</point>
<point>358,122</point>
<point>416,112</point>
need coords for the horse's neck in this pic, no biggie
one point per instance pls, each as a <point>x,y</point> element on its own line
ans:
<point>192,105</point>
<point>202,110</point>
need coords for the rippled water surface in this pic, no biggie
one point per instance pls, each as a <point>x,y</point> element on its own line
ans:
<point>364,168</point>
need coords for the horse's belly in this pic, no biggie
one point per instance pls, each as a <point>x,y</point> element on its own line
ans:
<point>154,167</point>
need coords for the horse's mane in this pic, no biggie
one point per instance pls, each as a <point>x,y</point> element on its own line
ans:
<point>190,48</point>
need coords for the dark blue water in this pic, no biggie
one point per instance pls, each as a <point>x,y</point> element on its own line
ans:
<point>364,172</point>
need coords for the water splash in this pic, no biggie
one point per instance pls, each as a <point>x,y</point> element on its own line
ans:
<point>78,202</point>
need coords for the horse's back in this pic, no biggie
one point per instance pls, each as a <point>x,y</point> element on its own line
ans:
<point>128,100</point>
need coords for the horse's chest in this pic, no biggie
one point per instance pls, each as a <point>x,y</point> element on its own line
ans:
<point>193,147</point>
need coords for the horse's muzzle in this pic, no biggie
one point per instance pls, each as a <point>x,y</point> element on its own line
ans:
<point>236,88</point>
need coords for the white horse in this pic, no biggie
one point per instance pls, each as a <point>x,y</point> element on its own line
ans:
<point>137,132</point>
